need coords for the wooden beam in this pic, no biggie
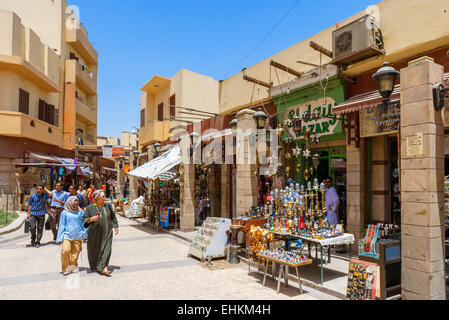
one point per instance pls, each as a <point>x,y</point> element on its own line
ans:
<point>321,49</point>
<point>286,69</point>
<point>262,83</point>
<point>308,64</point>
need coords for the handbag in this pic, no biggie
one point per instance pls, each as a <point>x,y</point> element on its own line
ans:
<point>26,226</point>
<point>47,224</point>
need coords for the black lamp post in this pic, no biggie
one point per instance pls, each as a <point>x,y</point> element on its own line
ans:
<point>233,125</point>
<point>157,148</point>
<point>136,156</point>
<point>121,159</point>
<point>194,141</point>
<point>261,118</point>
<point>386,79</point>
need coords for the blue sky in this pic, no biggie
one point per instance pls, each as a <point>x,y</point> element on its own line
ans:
<point>137,39</point>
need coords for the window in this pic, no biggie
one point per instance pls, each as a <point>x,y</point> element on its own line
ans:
<point>172,107</point>
<point>47,112</point>
<point>160,112</point>
<point>24,101</point>
<point>142,117</point>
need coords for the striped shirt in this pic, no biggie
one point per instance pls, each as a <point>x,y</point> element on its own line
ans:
<point>38,204</point>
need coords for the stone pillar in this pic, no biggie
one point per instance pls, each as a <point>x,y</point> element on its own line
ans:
<point>188,206</point>
<point>355,166</point>
<point>226,185</point>
<point>246,180</point>
<point>133,181</point>
<point>422,183</point>
<point>120,178</point>
<point>380,179</point>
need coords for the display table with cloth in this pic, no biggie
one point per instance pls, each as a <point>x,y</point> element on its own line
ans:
<point>283,270</point>
<point>345,239</point>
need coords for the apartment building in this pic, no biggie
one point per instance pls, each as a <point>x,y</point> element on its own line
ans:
<point>170,102</point>
<point>48,84</point>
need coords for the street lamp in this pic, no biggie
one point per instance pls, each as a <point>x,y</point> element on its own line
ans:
<point>121,159</point>
<point>233,125</point>
<point>260,118</point>
<point>136,156</point>
<point>157,148</point>
<point>386,79</point>
<point>194,141</point>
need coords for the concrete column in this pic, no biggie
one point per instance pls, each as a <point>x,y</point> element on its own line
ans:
<point>188,206</point>
<point>226,185</point>
<point>133,181</point>
<point>355,166</point>
<point>246,180</point>
<point>422,182</point>
<point>380,179</point>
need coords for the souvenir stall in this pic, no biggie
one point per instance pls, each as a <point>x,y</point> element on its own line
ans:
<point>299,212</point>
<point>159,178</point>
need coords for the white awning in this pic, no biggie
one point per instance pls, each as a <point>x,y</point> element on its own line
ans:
<point>160,166</point>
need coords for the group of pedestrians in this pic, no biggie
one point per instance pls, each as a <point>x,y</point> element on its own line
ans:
<point>75,216</point>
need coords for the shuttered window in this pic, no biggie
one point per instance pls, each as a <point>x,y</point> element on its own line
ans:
<point>24,101</point>
<point>172,107</point>
<point>160,112</point>
<point>142,117</point>
<point>47,112</point>
<point>56,118</point>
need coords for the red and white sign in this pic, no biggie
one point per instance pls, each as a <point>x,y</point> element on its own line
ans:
<point>113,151</point>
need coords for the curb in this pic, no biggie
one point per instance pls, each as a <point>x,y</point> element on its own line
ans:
<point>15,225</point>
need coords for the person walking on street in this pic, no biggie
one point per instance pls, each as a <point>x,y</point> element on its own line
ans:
<point>74,193</point>
<point>57,204</point>
<point>82,192</point>
<point>101,220</point>
<point>36,214</point>
<point>90,193</point>
<point>71,234</point>
<point>332,202</point>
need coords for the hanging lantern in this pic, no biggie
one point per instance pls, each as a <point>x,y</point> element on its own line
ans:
<point>297,125</point>
<point>316,160</point>
<point>298,168</point>
<point>280,130</point>
<point>287,172</point>
<point>260,118</point>
<point>306,175</point>
<point>307,134</point>
<point>233,125</point>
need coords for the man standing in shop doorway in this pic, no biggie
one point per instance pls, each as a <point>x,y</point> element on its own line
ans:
<point>332,202</point>
<point>36,214</point>
<point>57,204</point>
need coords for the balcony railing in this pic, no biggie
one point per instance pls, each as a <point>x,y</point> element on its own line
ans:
<point>86,112</point>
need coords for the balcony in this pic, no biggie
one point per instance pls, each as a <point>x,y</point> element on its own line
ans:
<point>26,70</point>
<point>86,113</point>
<point>153,132</point>
<point>17,124</point>
<point>78,39</point>
<point>80,75</point>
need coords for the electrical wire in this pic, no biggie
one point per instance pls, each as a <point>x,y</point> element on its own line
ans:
<point>264,38</point>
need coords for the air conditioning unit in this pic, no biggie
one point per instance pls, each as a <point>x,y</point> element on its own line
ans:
<point>357,41</point>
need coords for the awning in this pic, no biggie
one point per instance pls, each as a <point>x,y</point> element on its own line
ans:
<point>48,161</point>
<point>364,101</point>
<point>373,98</point>
<point>160,165</point>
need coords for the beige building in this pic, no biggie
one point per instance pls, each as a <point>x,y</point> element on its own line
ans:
<point>48,84</point>
<point>180,97</point>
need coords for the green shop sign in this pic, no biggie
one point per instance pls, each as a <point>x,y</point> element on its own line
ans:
<point>327,125</point>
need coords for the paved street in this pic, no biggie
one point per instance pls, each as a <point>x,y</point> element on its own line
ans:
<point>145,264</point>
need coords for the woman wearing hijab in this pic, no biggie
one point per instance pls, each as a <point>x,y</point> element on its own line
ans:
<point>100,218</point>
<point>71,233</point>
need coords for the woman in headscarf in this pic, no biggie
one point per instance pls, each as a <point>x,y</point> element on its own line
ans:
<point>100,218</point>
<point>71,233</point>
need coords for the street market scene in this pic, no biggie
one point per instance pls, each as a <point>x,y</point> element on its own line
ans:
<point>320,171</point>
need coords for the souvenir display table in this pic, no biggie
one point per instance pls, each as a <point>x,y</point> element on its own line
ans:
<point>345,239</point>
<point>285,260</point>
<point>210,239</point>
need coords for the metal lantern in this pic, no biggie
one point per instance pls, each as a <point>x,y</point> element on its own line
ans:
<point>136,156</point>
<point>194,138</point>
<point>157,147</point>
<point>233,125</point>
<point>316,160</point>
<point>297,125</point>
<point>386,79</point>
<point>260,118</point>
